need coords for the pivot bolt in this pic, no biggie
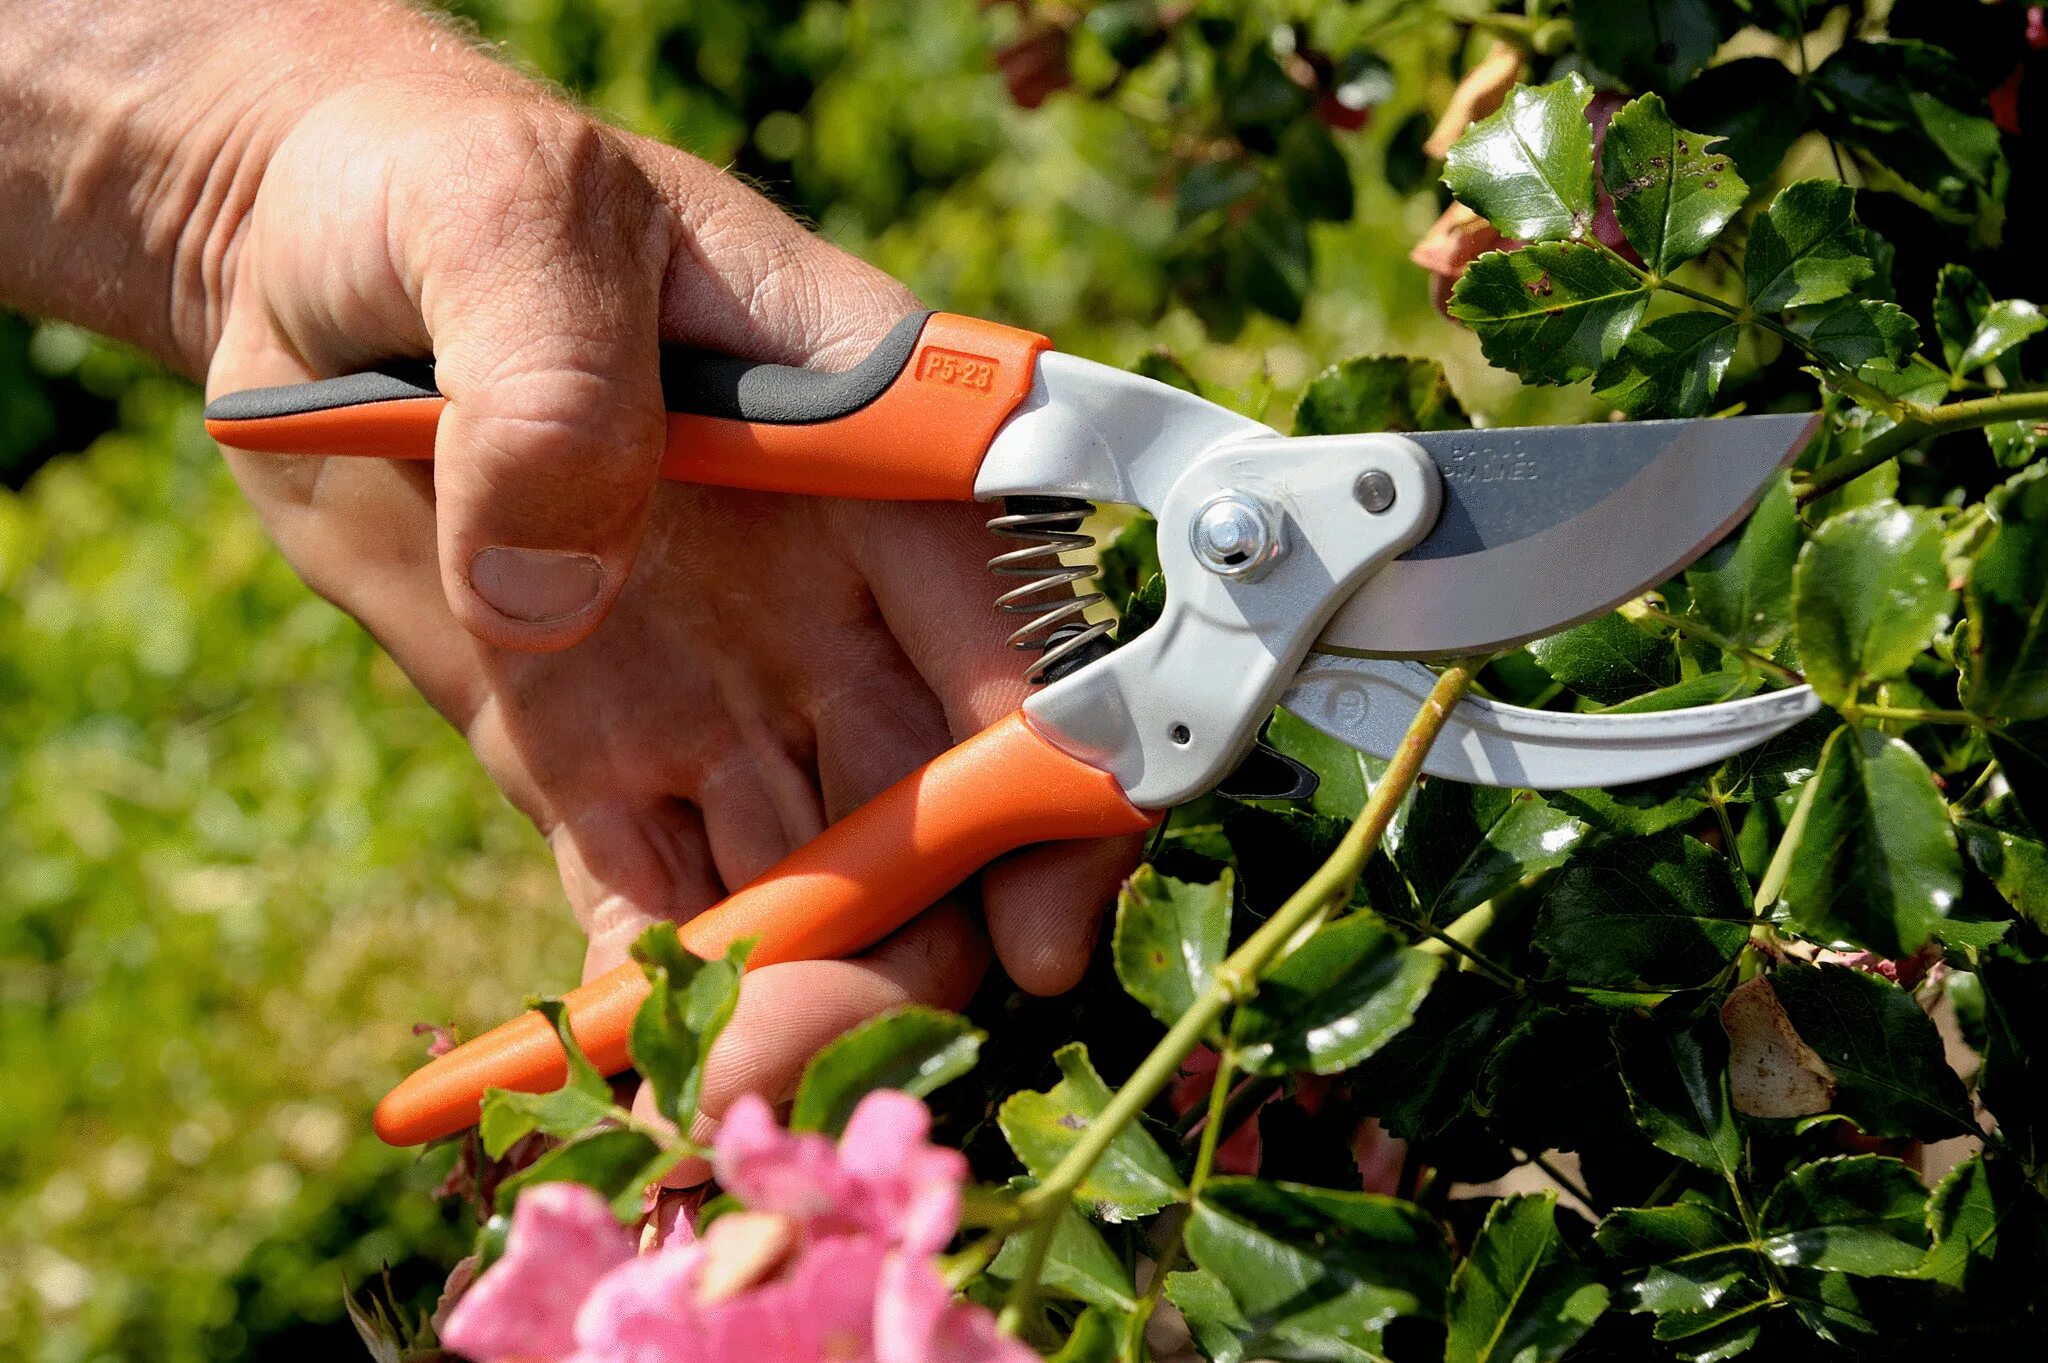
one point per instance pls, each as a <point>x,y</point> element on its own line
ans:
<point>1374,490</point>
<point>1234,535</point>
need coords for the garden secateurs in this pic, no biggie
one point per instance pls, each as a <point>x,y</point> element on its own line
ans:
<point>1311,572</point>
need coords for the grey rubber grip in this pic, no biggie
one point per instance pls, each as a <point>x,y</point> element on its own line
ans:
<point>701,382</point>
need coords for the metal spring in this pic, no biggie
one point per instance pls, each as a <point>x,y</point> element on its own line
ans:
<point>1050,526</point>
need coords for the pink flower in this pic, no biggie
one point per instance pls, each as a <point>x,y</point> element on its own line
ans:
<point>1238,1151</point>
<point>564,1241</point>
<point>830,1263</point>
<point>884,1178</point>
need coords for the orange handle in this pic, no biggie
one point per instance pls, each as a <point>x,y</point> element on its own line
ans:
<point>860,880</point>
<point>910,423</point>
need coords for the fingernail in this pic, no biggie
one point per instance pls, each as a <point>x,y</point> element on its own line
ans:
<point>538,586</point>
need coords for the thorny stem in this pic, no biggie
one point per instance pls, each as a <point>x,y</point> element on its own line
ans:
<point>1921,423</point>
<point>1235,979</point>
<point>1205,1161</point>
<point>1706,633</point>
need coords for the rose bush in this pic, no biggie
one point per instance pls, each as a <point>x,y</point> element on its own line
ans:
<point>1413,1070</point>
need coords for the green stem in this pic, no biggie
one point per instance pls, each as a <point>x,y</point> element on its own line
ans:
<point>1235,979</point>
<point>1493,970</point>
<point>1708,634</point>
<point>1920,424</point>
<point>1911,714</point>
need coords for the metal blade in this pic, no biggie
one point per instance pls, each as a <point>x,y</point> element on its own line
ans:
<point>1368,703</point>
<point>1547,526</point>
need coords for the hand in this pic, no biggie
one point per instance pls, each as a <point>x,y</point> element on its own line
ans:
<point>767,662</point>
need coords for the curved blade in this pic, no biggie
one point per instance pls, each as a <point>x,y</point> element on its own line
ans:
<point>1547,526</point>
<point>1368,703</point>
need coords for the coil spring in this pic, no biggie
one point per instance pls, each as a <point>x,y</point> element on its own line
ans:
<point>1050,527</point>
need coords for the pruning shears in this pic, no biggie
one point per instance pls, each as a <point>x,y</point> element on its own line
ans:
<point>1309,572</point>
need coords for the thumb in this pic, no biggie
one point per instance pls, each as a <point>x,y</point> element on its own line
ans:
<point>539,279</point>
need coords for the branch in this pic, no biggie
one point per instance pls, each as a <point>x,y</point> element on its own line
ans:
<point>1237,978</point>
<point>1921,424</point>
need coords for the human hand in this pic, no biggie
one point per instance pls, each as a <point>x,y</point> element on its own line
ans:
<point>744,667</point>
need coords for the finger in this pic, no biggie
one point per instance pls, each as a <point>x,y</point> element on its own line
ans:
<point>759,805</point>
<point>625,869</point>
<point>538,272</point>
<point>788,1012</point>
<point>874,730</point>
<point>751,281</point>
<point>1045,907</point>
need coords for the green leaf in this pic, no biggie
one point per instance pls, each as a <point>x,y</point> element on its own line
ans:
<point>1094,1337</point>
<point>1462,844</point>
<point>1657,44</point>
<point>1806,248</point>
<point>583,1100</point>
<point>1677,1084</point>
<point>1742,589</point>
<point>1347,774</point>
<point>1419,1083</point>
<point>1554,312</point>
<point>2016,863</point>
<point>1706,688</point>
<point>1317,177</point>
<point>1691,1266</point>
<point>1916,109</point>
<point>615,1161</point>
<point>1333,1000</point>
<point>2015,443</point>
<point>1634,810</point>
<point>1891,1077</point>
<point>1876,861</point>
<point>1990,1230</point>
<point>2014,1083</point>
<point>2004,643</point>
<point>1130,561</point>
<point>1522,1296</point>
<point>1974,330</point>
<point>1214,1319</point>
<point>1078,1263</point>
<point>2022,753</point>
<point>1552,1083</point>
<point>1672,195</point>
<point>1318,1271</point>
<point>1863,1214</point>
<point>1379,393</point>
<point>1528,167</point>
<point>916,1050</point>
<point>1779,766</point>
<point>1854,332</point>
<point>1269,260</point>
<point>1133,1178</point>
<point>689,1003</point>
<point>1170,935</point>
<point>1607,659</point>
<point>1869,593</point>
<point>1643,913</point>
<point>1670,368</point>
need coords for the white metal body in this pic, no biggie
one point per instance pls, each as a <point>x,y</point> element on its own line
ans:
<point>1174,711</point>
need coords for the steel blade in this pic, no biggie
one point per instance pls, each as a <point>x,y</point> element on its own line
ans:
<point>1548,526</point>
<point>1368,703</point>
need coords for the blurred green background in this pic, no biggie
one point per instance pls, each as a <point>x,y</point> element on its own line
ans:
<point>239,857</point>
